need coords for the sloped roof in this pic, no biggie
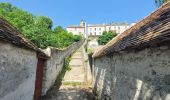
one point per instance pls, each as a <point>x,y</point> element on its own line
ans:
<point>118,24</point>
<point>96,25</point>
<point>75,26</point>
<point>9,34</point>
<point>151,31</point>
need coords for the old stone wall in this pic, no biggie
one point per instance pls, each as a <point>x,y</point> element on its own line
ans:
<point>17,72</point>
<point>54,65</point>
<point>135,75</point>
<point>87,65</point>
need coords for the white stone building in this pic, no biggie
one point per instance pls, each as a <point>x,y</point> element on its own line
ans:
<point>78,29</point>
<point>98,29</point>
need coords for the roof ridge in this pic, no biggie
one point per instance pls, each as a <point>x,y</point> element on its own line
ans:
<point>135,32</point>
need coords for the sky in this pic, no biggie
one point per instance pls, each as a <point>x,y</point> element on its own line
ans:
<point>70,12</point>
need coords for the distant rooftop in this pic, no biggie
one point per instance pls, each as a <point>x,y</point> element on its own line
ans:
<point>75,26</point>
<point>118,24</point>
<point>113,24</point>
<point>99,25</point>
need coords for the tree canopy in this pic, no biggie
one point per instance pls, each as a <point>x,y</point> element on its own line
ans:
<point>38,29</point>
<point>106,37</point>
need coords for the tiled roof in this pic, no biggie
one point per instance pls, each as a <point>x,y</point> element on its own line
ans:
<point>153,30</point>
<point>9,34</point>
<point>118,24</point>
<point>75,26</point>
<point>96,25</point>
<point>111,24</point>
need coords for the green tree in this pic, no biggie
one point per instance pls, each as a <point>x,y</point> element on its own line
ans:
<point>38,29</point>
<point>160,2</point>
<point>106,37</point>
<point>43,22</point>
<point>58,29</point>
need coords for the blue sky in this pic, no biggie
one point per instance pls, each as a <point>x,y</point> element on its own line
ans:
<point>69,12</point>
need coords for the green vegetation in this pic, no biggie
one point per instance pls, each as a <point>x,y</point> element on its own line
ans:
<point>38,29</point>
<point>106,37</point>
<point>73,83</point>
<point>160,2</point>
<point>89,50</point>
<point>66,68</point>
<point>66,64</point>
<point>60,77</point>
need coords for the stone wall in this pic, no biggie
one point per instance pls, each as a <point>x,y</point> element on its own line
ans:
<point>87,65</point>
<point>17,72</point>
<point>134,75</point>
<point>54,65</point>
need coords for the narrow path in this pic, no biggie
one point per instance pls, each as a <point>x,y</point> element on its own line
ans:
<point>74,85</point>
<point>77,72</point>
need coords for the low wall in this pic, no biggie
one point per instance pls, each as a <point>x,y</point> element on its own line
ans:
<point>54,65</point>
<point>17,72</point>
<point>87,65</point>
<point>135,75</point>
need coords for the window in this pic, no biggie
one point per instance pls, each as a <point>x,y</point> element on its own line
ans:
<point>94,33</point>
<point>100,29</point>
<point>95,29</point>
<point>90,33</point>
<point>90,29</point>
<point>100,33</point>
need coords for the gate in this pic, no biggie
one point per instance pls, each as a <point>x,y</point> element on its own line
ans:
<point>39,78</point>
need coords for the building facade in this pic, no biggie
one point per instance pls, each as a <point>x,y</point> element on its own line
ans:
<point>78,29</point>
<point>98,29</point>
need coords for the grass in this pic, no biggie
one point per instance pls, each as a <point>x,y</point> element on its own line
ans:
<point>73,83</point>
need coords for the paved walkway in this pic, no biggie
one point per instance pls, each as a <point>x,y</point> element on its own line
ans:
<point>74,84</point>
<point>77,72</point>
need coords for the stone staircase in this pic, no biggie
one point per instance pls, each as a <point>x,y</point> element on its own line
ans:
<point>77,72</point>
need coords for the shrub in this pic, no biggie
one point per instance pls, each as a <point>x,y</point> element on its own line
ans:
<point>106,37</point>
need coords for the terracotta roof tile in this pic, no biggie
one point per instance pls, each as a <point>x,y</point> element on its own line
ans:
<point>10,34</point>
<point>151,31</point>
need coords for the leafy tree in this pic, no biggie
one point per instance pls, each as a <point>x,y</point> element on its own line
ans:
<point>43,22</point>
<point>160,2</point>
<point>37,29</point>
<point>106,37</point>
<point>58,29</point>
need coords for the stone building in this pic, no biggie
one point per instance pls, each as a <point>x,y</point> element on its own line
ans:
<point>135,65</point>
<point>78,29</point>
<point>21,65</point>
<point>95,30</point>
<point>98,29</point>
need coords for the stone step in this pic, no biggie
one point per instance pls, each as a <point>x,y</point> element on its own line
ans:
<point>76,62</point>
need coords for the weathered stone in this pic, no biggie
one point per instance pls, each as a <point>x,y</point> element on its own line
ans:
<point>167,79</point>
<point>54,65</point>
<point>133,76</point>
<point>17,72</point>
